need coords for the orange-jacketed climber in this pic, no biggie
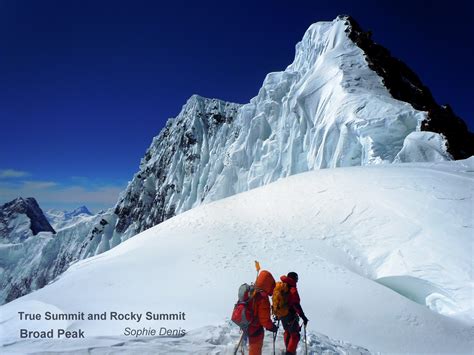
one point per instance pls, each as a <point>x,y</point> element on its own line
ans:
<point>262,311</point>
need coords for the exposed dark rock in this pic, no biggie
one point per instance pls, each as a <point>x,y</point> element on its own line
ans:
<point>103,222</point>
<point>404,85</point>
<point>148,200</point>
<point>28,207</point>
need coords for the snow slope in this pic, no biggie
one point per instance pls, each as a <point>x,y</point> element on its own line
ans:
<point>384,255</point>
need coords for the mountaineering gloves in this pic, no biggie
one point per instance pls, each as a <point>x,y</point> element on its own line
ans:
<point>274,329</point>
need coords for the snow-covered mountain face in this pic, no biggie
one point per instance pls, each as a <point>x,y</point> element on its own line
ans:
<point>180,167</point>
<point>344,101</point>
<point>60,219</point>
<point>329,108</point>
<point>404,85</point>
<point>21,219</point>
<point>29,264</point>
<point>32,253</point>
<point>22,225</point>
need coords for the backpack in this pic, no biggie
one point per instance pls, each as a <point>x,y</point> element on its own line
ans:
<point>243,314</point>
<point>280,300</point>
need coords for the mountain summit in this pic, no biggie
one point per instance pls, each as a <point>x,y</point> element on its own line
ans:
<point>77,211</point>
<point>344,101</point>
<point>22,218</point>
<point>404,85</point>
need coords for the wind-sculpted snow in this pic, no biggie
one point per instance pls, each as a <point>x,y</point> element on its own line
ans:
<point>327,109</point>
<point>380,252</point>
<point>422,146</point>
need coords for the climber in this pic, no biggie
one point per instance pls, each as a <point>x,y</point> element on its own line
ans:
<point>291,320</point>
<point>262,317</point>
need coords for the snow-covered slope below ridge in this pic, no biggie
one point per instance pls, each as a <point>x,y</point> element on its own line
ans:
<point>347,232</point>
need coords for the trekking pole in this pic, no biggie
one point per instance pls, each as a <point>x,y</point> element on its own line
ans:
<point>305,342</point>
<point>239,344</point>
<point>274,339</point>
<point>275,336</point>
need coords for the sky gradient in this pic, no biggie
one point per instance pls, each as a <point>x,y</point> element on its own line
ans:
<point>86,85</point>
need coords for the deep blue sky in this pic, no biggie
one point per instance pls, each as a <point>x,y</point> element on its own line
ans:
<point>85,85</point>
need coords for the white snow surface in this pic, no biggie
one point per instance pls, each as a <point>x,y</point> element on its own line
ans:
<point>423,146</point>
<point>60,219</point>
<point>384,255</point>
<point>20,228</point>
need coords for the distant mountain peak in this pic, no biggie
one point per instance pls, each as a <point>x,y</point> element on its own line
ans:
<point>79,210</point>
<point>24,211</point>
<point>60,219</point>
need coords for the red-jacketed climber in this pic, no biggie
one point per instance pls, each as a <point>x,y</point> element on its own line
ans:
<point>291,321</point>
